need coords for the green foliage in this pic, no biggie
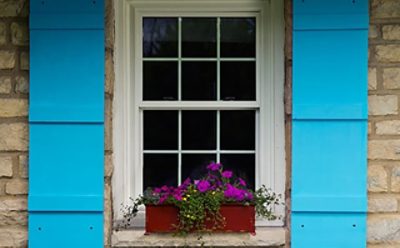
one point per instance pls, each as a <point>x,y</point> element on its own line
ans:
<point>199,201</point>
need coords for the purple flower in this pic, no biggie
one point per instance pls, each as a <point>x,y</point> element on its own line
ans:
<point>227,174</point>
<point>157,190</point>
<point>178,197</point>
<point>164,188</point>
<point>235,193</point>
<point>242,182</point>
<point>214,166</point>
<point>162,199</point>
<point>203,185</point>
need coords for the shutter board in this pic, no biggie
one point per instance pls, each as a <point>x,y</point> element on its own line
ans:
<point>66,229</point>
<point>327,166</point>
<point>67,71</point>
<point>68,163</point>
<point>329,135</point>
<point>328,230</point>
<point>329,74</point>
<point>66,116</point>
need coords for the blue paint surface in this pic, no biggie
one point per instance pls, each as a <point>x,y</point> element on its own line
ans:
<point>67,75</point>
<point>69,163</point>
<point>329,133</point>
<point>329,74</point>
<point>67,6</point>
<point>328,230</point>
<point>330,15</point>
<point>329,166</point>
<point>65,229</point>
<point>66,116</point>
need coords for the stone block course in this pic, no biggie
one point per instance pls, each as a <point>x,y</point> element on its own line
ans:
<point>14,137</point>
<point>6,166</point>
<point>382,204</point>
<point>391,78</point>
<point>13,237</point>
<point>377,179</point>
<point>391,32</point>
<point>19,34</point>
<point>372,81</point>
<point>5,84</point>
<point>7,59</point>
<point>14,8</point>
<point>388,53</point>
<point>385,9</point>
<point>17,187</point>
<point>382,104</point>
<point>13,107</point>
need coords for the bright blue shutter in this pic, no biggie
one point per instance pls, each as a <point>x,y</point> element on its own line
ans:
<point>66,119</point>
<point>330,56</point>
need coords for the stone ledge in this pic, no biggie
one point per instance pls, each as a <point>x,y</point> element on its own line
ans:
<point>272,237</point>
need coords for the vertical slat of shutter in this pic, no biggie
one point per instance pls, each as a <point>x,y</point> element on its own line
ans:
<point>66,117</point>
<point>329,146</point>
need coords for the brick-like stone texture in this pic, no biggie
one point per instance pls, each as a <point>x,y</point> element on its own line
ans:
<point>377,179</point>
<point>388,53</point>
<point>14,90</point>
<point>391,78</point>
<point>7,59</point>
<point>391,32</point>
<point>383,105</point>
<point>379,204</point>
<point>372,82</point>
<point>6,166</point>
<point>384,125</point>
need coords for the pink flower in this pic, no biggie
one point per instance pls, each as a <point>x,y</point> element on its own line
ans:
<point>214,166</point>
<point>178,197</point>
<point>162,199</point>
<point>227,174</point>
<point>203,185</point>
<point>242,182</point>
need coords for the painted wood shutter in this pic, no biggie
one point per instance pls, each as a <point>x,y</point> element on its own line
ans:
<point>330,56</point>
<point>66,120</point>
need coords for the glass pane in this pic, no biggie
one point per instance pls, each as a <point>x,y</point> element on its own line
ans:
<point>199,80</point>
<point>238,130</point>
<point>160,37</point>
<point>238,81</point>
<point>160,130</point>
<point>160,81</point>
<point>159,170</point>
<point>242,165</point>
<point>194,165</point>
<point>199,37</point>
<point>238,37</point>
<point>199,130</point>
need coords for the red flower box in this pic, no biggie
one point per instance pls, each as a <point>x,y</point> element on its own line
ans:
<point>238,218</point>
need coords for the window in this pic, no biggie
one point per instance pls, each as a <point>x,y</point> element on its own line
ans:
<point>197,82</point>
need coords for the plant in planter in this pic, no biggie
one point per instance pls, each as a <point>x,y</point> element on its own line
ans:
<point>219,201</point>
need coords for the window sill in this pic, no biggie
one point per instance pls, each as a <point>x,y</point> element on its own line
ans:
<point>272,237</point>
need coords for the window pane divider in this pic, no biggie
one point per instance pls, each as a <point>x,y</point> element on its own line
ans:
<point>199,59</point>
<point>199,105</point>
<point>199,151</point>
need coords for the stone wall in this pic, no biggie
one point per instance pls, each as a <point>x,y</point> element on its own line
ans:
<point>14,65</point>
<point>384,125</point>
<point>14,91</point>
<point>383,129</point>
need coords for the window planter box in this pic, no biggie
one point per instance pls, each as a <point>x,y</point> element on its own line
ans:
<point>238,218</point>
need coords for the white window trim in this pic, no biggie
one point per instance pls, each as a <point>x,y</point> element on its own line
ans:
<point>126,132</point>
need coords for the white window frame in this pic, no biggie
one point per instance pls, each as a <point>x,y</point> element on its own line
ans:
<point>127,135</point>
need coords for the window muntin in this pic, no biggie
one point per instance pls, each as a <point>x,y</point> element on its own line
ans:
<point>215,63</point>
